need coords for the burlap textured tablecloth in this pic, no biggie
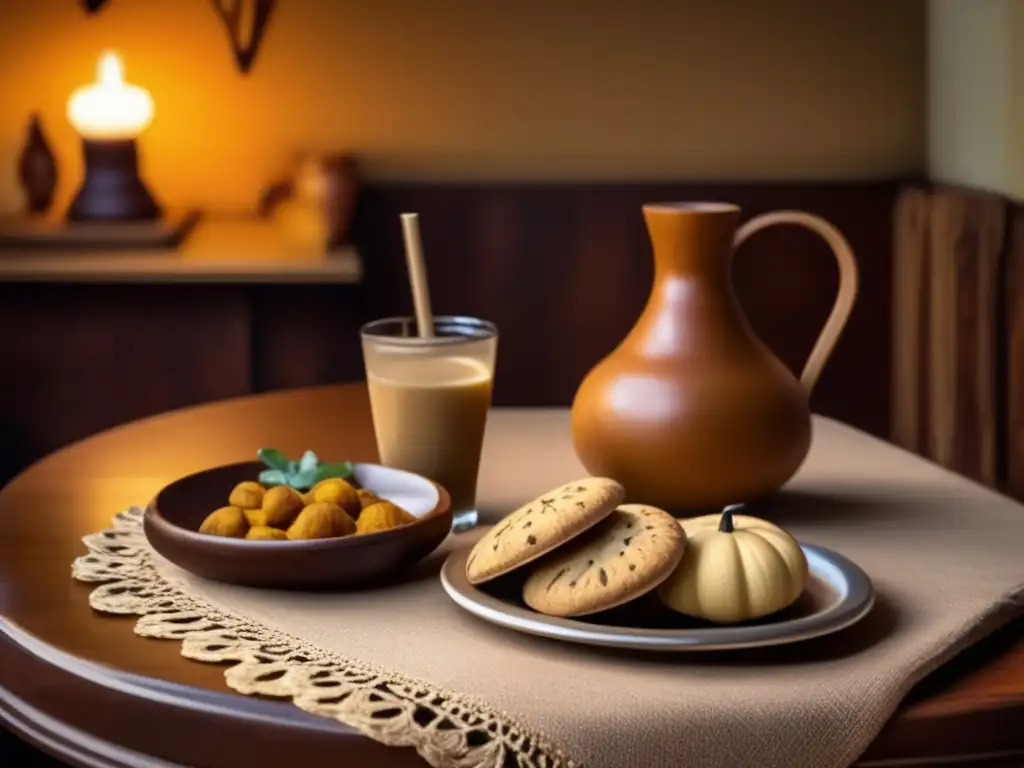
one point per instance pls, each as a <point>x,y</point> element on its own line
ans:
<point>943,553</point>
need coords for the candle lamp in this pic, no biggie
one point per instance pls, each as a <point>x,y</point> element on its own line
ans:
<point>109,115</point>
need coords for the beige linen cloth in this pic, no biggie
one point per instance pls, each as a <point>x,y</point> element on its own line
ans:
<point>944,556</point>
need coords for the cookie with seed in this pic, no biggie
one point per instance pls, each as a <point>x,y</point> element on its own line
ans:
<point>628,553</point>
<point>538,527</point>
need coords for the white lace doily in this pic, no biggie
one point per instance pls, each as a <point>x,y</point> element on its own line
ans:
<point>446,729</point>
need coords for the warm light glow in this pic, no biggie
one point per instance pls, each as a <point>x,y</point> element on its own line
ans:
<point>110,108</point>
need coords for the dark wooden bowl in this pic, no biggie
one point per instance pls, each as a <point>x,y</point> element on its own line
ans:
<point>173,518</point>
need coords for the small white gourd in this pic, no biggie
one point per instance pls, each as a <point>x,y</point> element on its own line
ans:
<point>735,568</point>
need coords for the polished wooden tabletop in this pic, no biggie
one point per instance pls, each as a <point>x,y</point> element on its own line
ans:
<point>69,676</point>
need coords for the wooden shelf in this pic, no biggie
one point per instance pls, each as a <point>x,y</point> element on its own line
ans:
<point>219,250</point>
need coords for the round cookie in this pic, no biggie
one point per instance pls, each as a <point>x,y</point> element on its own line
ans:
<point>538,527</point>
<point>628,553</point>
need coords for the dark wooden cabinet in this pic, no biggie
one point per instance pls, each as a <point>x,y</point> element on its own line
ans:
<point>77,359</point>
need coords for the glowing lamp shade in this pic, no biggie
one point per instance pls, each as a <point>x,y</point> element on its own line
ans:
<point>110,109</point>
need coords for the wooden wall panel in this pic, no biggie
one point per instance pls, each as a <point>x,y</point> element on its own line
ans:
<point>79,359</point>
<point>948,376</point>
<point>1014,355</point>
<point>564,270</point>
<point>966,235</point>
<point>910,319</point>
<point>307,335</point>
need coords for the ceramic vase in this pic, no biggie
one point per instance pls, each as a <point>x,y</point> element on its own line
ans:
<point>691,411</point>
<point>336,182</point>
<point>37,169</point>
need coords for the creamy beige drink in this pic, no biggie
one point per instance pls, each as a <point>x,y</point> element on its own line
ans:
<point>429,399</point>
<point>429,417</point>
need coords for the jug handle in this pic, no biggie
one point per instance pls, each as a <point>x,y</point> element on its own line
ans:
<point>848,281</point>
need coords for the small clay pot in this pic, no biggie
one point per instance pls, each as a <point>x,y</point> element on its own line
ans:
<point>339,188</point>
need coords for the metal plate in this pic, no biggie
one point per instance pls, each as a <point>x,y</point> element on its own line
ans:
<point>838,594</point>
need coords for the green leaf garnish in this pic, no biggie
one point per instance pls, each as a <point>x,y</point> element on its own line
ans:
<point>303,480</point>
<point>309,462</point>
<point>302,474</point>
<point>273,458</point>
<point>273,477</point>
<point>342,469</point>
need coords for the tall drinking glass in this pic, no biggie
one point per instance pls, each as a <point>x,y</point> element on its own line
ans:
<point>429,398</point>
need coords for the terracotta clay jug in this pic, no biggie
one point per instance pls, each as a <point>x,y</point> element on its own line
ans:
<point>691,411</point>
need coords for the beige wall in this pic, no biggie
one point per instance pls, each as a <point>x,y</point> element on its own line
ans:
<point>1014,131</point>
<point>976,94</point>
<point>968,80</point>
<point>463,89</point>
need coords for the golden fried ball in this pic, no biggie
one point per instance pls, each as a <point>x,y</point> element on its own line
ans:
<point>336,491</point>
<point>321,520</point>
<point>367,498</point>
<point>281,505</point>
<point>265,533</point>
<point>226,521</point>
<point>382,516</point>
<point>247,495</point>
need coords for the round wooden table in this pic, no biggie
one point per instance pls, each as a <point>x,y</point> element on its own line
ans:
<point>92,693</point>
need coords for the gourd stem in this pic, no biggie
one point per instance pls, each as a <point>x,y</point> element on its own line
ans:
<point>726,525</point>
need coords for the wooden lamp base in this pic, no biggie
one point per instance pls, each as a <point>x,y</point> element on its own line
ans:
<point>112,191</point>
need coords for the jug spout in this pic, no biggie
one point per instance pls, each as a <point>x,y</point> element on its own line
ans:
<point>692,238</point>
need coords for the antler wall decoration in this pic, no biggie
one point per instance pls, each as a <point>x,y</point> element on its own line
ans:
<point>245,20</point>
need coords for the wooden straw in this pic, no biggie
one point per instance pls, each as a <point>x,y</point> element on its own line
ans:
<point>417,274</point>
